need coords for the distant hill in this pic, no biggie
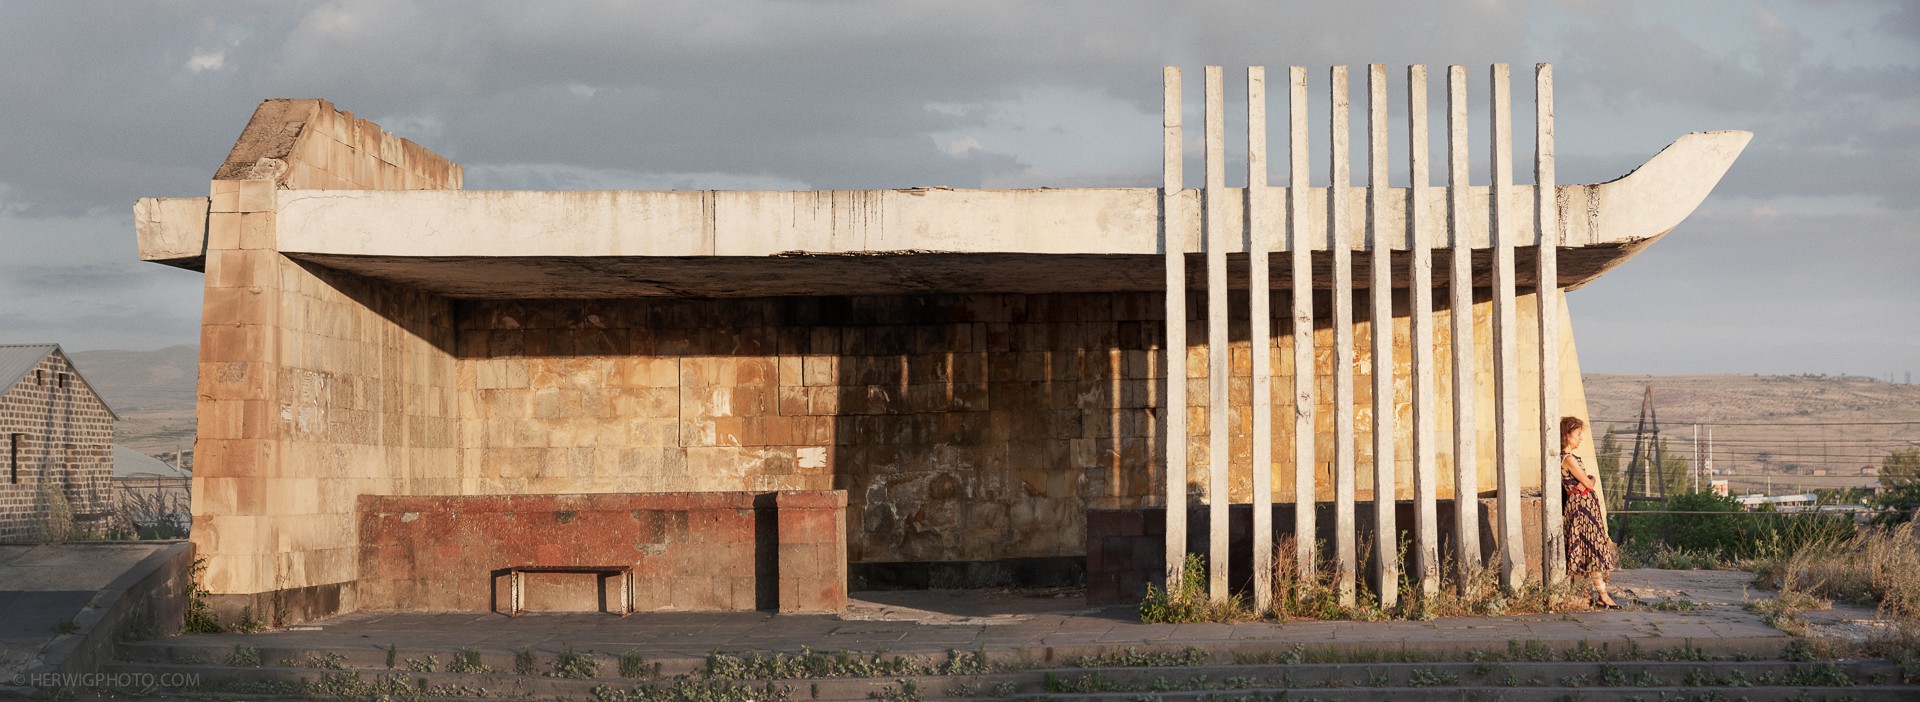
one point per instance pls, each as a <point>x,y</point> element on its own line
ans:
<point>152,391</point>
<point>133,381</point>
<point>1785,431</point>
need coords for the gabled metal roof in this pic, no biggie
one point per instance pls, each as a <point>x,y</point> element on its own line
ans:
<point>17,359</point>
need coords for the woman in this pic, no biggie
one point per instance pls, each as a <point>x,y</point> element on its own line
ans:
<point>1589,550</point>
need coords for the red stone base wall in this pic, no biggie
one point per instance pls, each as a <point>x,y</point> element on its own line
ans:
<point>690,551</point>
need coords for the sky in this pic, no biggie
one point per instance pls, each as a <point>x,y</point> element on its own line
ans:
<point>1802,261</point>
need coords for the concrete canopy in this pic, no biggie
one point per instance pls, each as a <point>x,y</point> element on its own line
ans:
<point>610,244</point>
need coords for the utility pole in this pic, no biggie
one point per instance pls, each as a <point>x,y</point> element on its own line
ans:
<point>1694,467</point>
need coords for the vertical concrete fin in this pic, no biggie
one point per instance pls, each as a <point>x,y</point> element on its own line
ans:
<point>1342,250</point>
<point>1174,348</point>
<point>1219,362</point>
<point>1506,362</point>
<point>1386,566</point>
<point>1260,335</point>
<point>1300,252</point>
<point>1546,219</point>
<point>1426,537</point>
<point>1466,468</point>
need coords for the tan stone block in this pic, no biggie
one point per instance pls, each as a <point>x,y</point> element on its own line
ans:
<point>241,269</point>
<point>791,371</point>
<point>257,196</point>
<point>232,458</point>
<point>235,419</point>
<point>292,496</point>
<point>257,231</point>
<point>239,380</point>
<point>819,371</point>
<point>224,196</point>
<point>234,534</point>
<point>223,231</point>
<point>239,306</point>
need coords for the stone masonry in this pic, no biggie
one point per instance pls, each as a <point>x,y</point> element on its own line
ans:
<point>56,441</point>
<point>921,376</point>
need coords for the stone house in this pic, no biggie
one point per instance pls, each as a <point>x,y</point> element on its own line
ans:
<point>56,439</point>
<point>411,394</point>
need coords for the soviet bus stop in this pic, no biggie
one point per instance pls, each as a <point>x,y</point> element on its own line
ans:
<point>418,397</point>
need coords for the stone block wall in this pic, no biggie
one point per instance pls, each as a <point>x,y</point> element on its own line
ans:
<point>690,551</point>
<point>965,428</point>
<point>56,450</point>
<point>316,386</point>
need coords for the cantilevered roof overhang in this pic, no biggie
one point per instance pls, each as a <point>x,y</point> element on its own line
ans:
<point>611,244</point>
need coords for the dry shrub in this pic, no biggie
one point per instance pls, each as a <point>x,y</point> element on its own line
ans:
<point>1475,595</point>
<point>1879,566</point>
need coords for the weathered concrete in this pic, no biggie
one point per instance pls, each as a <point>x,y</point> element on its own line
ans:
<point>64,606</point>
<point>976,368</point>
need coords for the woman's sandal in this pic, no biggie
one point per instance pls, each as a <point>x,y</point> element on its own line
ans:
<point>1593,600</point>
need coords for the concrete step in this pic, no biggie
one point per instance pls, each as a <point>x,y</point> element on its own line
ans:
<point>1403,682</point>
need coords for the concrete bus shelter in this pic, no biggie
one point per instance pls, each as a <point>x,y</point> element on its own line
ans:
<point>757,399</point>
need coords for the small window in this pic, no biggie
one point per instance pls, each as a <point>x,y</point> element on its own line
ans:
<point>63,380</point>
<point>39,377</point>
<point>13,458</point>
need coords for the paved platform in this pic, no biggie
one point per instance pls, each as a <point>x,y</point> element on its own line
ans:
<point>1046,625</point>
<point>46,589</point>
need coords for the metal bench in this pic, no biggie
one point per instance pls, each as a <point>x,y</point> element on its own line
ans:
<point>516,602</point>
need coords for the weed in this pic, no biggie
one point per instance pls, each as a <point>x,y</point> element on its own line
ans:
<point>467,660</point>
<point>331,660</point>
<point>1827,674</point>
<point>1091,682</point>
<point>974,663</point>
<point>909,691</point>
<point>1612,675</point>
<point>1879,566</point>
<point>574,663</point>
<point>694,691</point>
<point>1134,658</point>
<point>200,618</point>
<point>393,656</point>
<point>844,664</point>
<point>66,626</point>
<point>1428,677</point>
<point>634,665</point>
<point>1675,605</point>
<point>525,661</point>
<point>1187,601</point>
<point>249,624</point>
<point>428,664</point>
<point>244,656</point>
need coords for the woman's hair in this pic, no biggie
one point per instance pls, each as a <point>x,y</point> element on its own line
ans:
<point>1567,427</point>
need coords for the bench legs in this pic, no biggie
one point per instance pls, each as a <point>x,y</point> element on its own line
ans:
<point>517,587</point>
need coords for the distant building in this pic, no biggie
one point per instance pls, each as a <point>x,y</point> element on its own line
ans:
<point>151,497</point>
<point>1784,503</point>
<point>56,439</point>
<point>1720,487</point>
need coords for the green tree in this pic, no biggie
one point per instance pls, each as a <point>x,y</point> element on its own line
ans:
<point>1606,454</point>
<point>1899,486</point>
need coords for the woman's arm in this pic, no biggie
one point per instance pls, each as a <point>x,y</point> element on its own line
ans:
<point>1572,467</point>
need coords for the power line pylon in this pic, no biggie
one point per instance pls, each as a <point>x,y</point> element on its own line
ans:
<point>1646,470</point>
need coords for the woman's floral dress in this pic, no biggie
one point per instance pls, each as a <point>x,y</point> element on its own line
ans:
<point>1588,548</point>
